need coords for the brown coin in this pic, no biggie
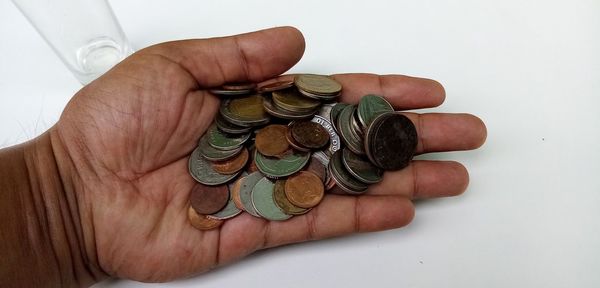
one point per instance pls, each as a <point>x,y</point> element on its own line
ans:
<point>209,199</point>
<point>201,222</point>
<point>283,203</point>
<point>310,134</point>
<point>304,189</point>
<point>251,163</point>
<point>276,86</point>
<point>238,86</point>
<point>235,193</point>
<point>231,166</point>
<point>270,141</point>
<point>317,167</point>
<point>293,143</point>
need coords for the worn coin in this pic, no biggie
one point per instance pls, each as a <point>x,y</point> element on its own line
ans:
<point>225,92</point>
<point>201,222</point>
<point>264,202</point>
<point>304,189</point>
<point>290,99</point>
<point>324,98</point>
<point>275,111</point>
<point>334,139</point>
<point>317,84</point>
<point>281,167</point>
<point>223,141</point>
<point>343,178</point>
<point>371,106</point>
<point>271,141</point>
<point>293,141</point>
<point>212,154</point>
<point>233,165</point>
<point>335,111</point>
<point>230,128</point>
<point>276,86</point>
<point>361,168</point>
<point>356,125</point>
<point>246,192</point>
<point>229,211</point>
<point>309,134</point>
<point>318,165</point>
<point>283,203</point>
<point>209,199</point>
<point>245,111</point>
<point>391,141</point>
<point>347,134</point>
<point>239,86</point>
<point>201,170</point>
<point>234,190</point>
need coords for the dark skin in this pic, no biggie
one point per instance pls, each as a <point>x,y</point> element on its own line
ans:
<point>110,178</point>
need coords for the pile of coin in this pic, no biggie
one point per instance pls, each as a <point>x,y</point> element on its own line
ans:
<point>274,151</point>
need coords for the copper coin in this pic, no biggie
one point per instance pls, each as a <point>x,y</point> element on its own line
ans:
<point>304,189</point>
<point>238,86</point>
<point>317,167</point>
<point>276,86</point>
<point>283,203</point>
<point>290,139</point>
<point>235,193</point>
<point>310,134</point>
<point>271,141</point>
<point>201,222</point>
<point>209,199</point>
<point>231,166</point>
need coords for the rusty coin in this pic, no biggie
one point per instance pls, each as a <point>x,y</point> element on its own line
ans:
<point>310,134</point>
<point>283,203</point>
<point>233,165</point>
<point>304,189</point>
<point>276,86</point>
<point>271,141</point>
<point>201,222</point>
<point>209,199</point>
<point>391,140</point>
<point>294,143</point>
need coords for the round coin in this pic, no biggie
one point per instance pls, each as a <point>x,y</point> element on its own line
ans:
<point>245,111</point>
<point>229,211</point>
<point>318,165</point>
<point>347,134</point>
<point>201,222</point>
<point>275,111</point>
<point>317,84</point>
<point>264,202</point>
<point>293,142</point>
<point>246,192</point>
<point>234,190</point>
<point>209,199</point>
<point>286,166</point>
<point>201,170</point>
<point>334,139</point>
<point>361,168</point>
<point>325,98</point>
<point>276,86</point>
<point>343,178</point>
<point>304,189</point>
<point>335,111</point>
<point>371,106</point>
<point>271,141</point>
<point>283,203</point>
<point>239,86</point>
<point>224,92</point>
<point>233,165</point>
<point>309,134</point>
<point>230,128</point>
<point>223,141</point>
<point>290,99</point>
<point>391,141</point>
<point>212,154</point>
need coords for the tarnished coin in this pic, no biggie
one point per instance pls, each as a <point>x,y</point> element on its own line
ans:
<point>234,190</point>
<point>245,111</point>
<point>361,168</point>
<point>232,165</point>
<point>309,134</point>
<point>290,99</point>
<point>230,128</point>
<point>223,141</point>
<point>391,141</point>
<point>334,139</point>
<point>275,111</point>
<point>251,163</point>
<point>283,203</point>
<point>271,141</point>
<point>371,106</point>
<point>239,86</point>
<point>343,178</point>
<point>318,165</point>
<point>212,154</point>
<point>281,167</point>
<point>356,126</point>
<point>246,192</point>
<point>335,111</point>
<point>224,92</point>
<point>201,170</point>
<point>347,134</point>
<point>276,86</point>
<point>317,84</point>
<point>201,222</point>
<point>264,202</point>
<point>209,199</point>
<point>293,141</point>
<point>304,189</point>
<point>229,211</point>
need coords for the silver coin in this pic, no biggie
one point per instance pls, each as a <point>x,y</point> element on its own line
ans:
<point>224,141</point>
<point>343,178</point>
<point>212,154</point>
<point>264,202</point>
<point>347,133</point>
<point>246,192</point>
<point>282,113</point>
<point>201,170</point>
<point>334,139</point>
<point>229,211</point>
<point>223,92</point>
<point>325,110</point>
<point>230,128</point>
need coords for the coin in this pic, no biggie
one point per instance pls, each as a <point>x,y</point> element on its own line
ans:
<point>275,111</point>
<point>230,128</point>
<point>348,136</point>
<point>318,165</point>
<point>361,168</point>
<point>229,211</point>
<point>319,96</point>
<point>391,141</point>
<point>201,222</point>
<point>371,106</point>
<point>246,192</point>
<point>233,165</point>
<point>276,86</point>
<point>271,141</point>
<point>290,99</point>
<point>304,189</point>
<point>264,202</point>
<point>245,111</point>
<point>286,166</point>
<point>212,154</point>
<point>343,178</point>
<point>251,163</point>
<point>239,86</point>
<point>317,84</point>
<point>200,169</point>
<point>234,190</point>
<point>335,111</point>
<point>223,141</point>
<point>309,134</point>
<point>209,199</point>
<point>283,203</point>
<point>224,92</point>
<point>356,125</point>
<point>293,141</point>
<point>334,139</point>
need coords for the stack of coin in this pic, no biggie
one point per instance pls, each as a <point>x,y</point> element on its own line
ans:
<point>273,151</point>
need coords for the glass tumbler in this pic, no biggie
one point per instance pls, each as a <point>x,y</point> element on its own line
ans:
<point>85,34</point>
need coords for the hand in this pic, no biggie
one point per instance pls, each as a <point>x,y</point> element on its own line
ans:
<point>124,140</point>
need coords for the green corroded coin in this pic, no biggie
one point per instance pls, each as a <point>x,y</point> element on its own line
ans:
<point>335,111</point>
<point>281,167</point>
<point>361,168</point>
<point>371,106</point>
<point>246,187</point>
<point>264,202</point>
<point>201,170</point>
<point>344,124</point>
<point>343,178</point>
<point>213,154</point>
<point>223,141</point>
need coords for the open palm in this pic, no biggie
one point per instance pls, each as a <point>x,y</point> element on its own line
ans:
<point>127,137</point>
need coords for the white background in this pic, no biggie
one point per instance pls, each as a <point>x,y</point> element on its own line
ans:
<point>529,69</point>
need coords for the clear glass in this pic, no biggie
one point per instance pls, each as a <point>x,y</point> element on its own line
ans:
<point>85,34</point>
